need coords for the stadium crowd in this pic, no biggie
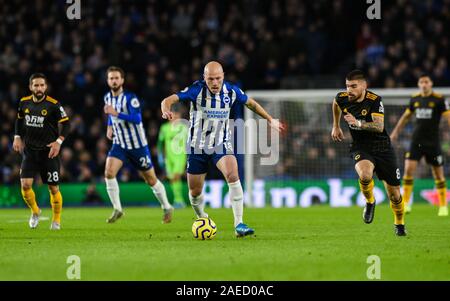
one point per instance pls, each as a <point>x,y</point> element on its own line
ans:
<point>163,45</point>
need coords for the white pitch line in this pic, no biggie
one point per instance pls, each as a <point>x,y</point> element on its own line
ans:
<point>15,221</point>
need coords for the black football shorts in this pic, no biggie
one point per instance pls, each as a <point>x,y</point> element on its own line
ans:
<point>37,161</point>
<point>432,153</point>
<point>385,162</point>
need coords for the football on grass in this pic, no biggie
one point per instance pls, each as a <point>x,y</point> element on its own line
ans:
<point>204,228</point>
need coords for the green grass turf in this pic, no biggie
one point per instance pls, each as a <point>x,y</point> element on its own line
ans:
<point>319,243</point>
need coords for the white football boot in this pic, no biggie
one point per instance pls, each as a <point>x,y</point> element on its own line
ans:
<point>55,226</point>
<point>34,220</point>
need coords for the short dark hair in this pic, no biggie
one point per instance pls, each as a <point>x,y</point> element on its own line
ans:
<point>424,75</point>
<point>115,69</point>
<point>37,75</point>
<point>355,75</point>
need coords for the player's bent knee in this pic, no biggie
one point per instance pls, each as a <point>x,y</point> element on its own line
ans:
<point>149,178</point>
<point>26,186</point>
<point>410,169</point>
<point>409,172</point>
<point>439,178</point>
<point>408,175</point>
<point>395,196</point>
<point>395,199</point>
<point>54,189</point>
<point>232,177</point>
<point>109,174</point>
<point>151,181</point>
<point>366,176</point>
<point>438,174</point>
<point>195,192</point>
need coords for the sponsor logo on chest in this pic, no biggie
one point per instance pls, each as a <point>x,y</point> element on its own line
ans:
<point>216,113</point>
<point>34,121</point>
<point>424,113</point>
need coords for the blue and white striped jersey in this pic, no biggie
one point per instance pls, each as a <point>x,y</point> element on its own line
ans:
<point>210,114</point>
<point>127,127</point>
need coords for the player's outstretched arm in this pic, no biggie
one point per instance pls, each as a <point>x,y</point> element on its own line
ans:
<point>336,132</point>
<point>401,124</point>
<point>166,106</point>
<point>258,109</point>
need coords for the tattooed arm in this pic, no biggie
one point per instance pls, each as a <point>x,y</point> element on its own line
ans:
<point>377,125</point>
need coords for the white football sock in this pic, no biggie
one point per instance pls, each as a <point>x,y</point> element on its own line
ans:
<point>237,201</point>
<point>197,205</point>
<point>112,187</point>
<point>160,192</point>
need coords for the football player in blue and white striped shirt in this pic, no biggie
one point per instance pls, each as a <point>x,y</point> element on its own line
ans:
<point>209,136</point>
<point>126,131</point>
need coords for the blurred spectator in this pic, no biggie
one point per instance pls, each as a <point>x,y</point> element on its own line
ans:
<point>92,197</point>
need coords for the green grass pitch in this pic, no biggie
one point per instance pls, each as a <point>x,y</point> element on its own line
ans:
<point>318,243</point>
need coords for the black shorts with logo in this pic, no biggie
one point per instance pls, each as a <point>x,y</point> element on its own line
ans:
<point>385,162</point>
<point>432,153</point>
<point>37,161</point>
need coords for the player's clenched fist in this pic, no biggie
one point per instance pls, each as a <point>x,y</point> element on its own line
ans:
<point>337,134</point>
<point>276,125</point>
<point>109,110</point>
<point>350,119</point>
<point>167,115</point>
<point>18,145</point>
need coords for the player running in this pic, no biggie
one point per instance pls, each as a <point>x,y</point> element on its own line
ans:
<point>38,138</point>
<point>371,147</point>
<point>172,154</point>
<point>428,107</point>
<point>126,131</point>
<point>209,136</point>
